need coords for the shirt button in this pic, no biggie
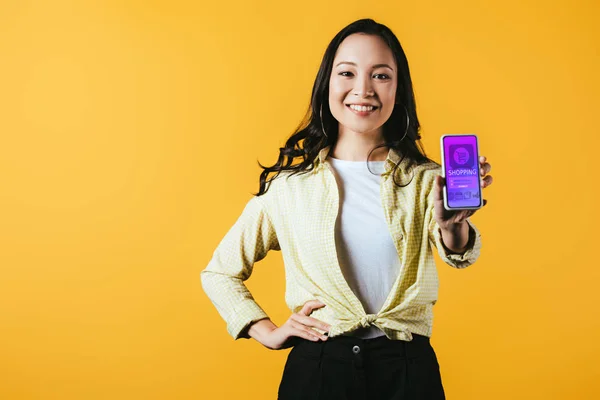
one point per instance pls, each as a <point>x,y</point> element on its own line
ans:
<point>356,349</point>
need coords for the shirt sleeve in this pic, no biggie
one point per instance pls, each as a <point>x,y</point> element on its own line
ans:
<point>456,260</point>
<point>246,242</point>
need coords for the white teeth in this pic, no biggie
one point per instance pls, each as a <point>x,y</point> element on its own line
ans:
<point>361,108</point>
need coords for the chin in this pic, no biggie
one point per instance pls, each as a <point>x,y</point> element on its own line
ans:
<point>361,130</point>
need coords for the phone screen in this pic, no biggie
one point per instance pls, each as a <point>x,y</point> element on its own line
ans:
<point>461,165</point>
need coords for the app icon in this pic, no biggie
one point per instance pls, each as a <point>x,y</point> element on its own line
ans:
<point>461,156</point>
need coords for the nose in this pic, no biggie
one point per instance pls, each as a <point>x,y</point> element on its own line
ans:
<point>363,87</point>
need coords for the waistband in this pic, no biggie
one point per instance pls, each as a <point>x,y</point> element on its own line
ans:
<point>349,347</point>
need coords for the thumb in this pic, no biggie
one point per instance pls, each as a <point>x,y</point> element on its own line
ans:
<point>310,305</point>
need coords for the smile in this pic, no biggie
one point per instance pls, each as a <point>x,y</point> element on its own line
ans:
<point>362,110</point>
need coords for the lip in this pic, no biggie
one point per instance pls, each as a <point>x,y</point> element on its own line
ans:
<point>362,113</point>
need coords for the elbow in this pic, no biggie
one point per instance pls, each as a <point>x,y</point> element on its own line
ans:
<point>206,279</point>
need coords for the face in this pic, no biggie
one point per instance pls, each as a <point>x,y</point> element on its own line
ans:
<point>364,71</point>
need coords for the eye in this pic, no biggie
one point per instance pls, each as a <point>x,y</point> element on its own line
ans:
<point>347,72</point>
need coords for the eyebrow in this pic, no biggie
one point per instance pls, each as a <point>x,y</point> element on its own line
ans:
<point>374,66</point>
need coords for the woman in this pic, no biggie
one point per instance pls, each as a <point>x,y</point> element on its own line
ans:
<point>356,220</point>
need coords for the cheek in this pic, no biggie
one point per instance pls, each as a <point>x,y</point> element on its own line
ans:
<point>388,93</point>
<point>391,94</point>
<point>336,94</point>
<point>336,99</point>
<point>339,86</point>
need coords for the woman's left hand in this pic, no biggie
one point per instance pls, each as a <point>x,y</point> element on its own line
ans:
<point>447,219</point>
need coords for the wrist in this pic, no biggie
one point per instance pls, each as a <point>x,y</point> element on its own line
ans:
<point>455,237</point>
<point>454,227</point>
<point>259,329</point>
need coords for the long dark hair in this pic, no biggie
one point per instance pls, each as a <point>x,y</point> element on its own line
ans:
<point>310,132</point>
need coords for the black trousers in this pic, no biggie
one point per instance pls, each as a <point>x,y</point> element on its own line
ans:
<point>351,368</point>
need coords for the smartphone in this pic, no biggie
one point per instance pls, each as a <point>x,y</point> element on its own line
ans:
<point>460,167</point>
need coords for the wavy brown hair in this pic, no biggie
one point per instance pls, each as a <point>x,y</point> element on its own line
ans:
<point>308,139</point>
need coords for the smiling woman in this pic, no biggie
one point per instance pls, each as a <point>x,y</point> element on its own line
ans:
<point>364,65</point>
<point>357,245</point>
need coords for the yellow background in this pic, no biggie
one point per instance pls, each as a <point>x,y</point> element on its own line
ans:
<point>130,138</point>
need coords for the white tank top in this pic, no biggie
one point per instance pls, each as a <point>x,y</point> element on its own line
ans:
<point>366,252</point>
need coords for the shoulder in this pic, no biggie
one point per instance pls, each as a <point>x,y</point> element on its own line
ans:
<point>427,171</point>
<point>288,179</point>
<point>281,185</point>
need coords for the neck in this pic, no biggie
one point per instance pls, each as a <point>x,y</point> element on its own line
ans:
<point>352,146</point>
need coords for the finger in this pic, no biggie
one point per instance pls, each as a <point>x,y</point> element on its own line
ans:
<point>485,169</point>
<point>306,332</point>
<point>310,305</point>
<point>482,159</point>
<point>484,202</point>
<point>299,332</point>
<point>487,181</point>
<point>310,321</point>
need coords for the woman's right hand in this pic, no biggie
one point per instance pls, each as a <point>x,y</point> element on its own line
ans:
<point>298,325</point>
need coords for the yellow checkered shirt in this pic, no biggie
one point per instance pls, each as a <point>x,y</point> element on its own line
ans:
<point>297,216</point>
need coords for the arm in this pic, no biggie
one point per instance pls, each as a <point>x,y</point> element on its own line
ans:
<point>247,242</point>
<point>459,241</point>
<point>463,243</point>
<point>259,329</point>
<point>457,238</point>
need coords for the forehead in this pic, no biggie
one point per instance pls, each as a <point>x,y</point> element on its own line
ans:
<point>364,50</point>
